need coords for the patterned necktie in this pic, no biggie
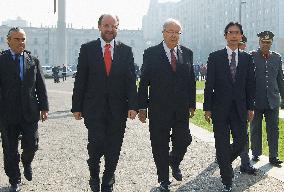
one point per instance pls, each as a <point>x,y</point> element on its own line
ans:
<point>233,66</point>
<point>107,58</point>
<point>173,60</point>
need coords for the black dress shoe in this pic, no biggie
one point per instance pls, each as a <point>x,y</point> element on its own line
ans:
<point>255,158</point>
<point>248,169</point>
<point>176,172</point>
<point>164,186</point>
<point>15,187</point>
<point>94,184</point>
<point>275,162</point>
<point>227,188</point>
<point>28,172</point>
<point>108,187</point>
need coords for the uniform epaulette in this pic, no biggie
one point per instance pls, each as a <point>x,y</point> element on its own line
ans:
<point>5,52</point>
<point>253,52</point>
<point>28,52</point>
<point>275,53</point>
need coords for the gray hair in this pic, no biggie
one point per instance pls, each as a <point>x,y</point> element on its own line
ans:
<point>171,21</point>
<point>14,29</point>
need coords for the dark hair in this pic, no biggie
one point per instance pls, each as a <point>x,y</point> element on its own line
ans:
<point>233,24</point>
<point>12,30</point>
<point>103,15</point>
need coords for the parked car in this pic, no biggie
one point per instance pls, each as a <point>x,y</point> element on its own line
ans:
<point>47,71</point>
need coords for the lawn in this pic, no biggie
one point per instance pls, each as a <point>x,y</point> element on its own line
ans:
<point>199,120</point>
<point>199,98</point>
<point>200,85</point>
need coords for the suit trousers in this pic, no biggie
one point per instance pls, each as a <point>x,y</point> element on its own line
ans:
<point>10,140</point>
<point>160,137</point>
<point>226,153</point>
<point>105,137</point>
<point>245,160</point>
<point>272,129</point>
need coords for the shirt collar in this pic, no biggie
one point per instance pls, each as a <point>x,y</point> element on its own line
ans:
<point>168,50</point>
<point>13,53</point>
<point>103,43</point>
<point>229,51</point>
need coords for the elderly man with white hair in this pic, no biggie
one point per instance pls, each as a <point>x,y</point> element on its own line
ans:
<point>167,71</point>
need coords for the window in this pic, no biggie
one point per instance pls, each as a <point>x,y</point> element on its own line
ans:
<point>35,41</point>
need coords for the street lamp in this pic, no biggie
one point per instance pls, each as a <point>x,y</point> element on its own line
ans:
<point>240,11</point>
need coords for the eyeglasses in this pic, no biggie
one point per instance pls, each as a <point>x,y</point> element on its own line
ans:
<point>107,26</point>
<point>173,32</point>
<point>19,39</point>
<point>234,32</point>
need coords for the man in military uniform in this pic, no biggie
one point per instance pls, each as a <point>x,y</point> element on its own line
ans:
<point>269,88</point>
<point>246,166</point>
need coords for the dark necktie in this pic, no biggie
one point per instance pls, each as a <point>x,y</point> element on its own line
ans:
<point>233,66</point>
<point>107,58</point>
<point>173,60</point>
<point>18,63</point>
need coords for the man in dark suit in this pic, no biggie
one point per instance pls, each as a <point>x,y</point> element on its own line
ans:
<point>168,72</point>
<point>105,95</point>
<point>24,102</point>
<point>269,89</point>
<point>228,100</point>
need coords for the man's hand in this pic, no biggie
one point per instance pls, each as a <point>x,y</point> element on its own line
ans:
<point>132,114</point>
<point>43,115</point>
<point>191,112</point>
<point>142,115</point>
<point>207,116</point>
<point>250,115</point>
<point>77,115</point>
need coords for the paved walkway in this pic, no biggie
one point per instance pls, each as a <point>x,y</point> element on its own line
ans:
<point>60,164</point>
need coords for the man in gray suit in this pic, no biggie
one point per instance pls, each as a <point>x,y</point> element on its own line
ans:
<point>269,84</point>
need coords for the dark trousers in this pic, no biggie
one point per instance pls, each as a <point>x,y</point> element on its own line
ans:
<point>272,129</point>
<point>160,138</point>
<point>64,76</point>
<point>10,140</point>
<point>226,153</point>
<point>245,160</point>
<point>105,137</point>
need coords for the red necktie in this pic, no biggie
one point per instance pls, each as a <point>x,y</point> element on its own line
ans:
<point>107,58</point>
<point>173,60</point>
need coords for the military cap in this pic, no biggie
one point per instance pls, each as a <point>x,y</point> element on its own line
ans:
<point>266,36</point>
<point>244,40</point>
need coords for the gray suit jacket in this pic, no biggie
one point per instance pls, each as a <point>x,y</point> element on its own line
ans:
<point>269,80</point>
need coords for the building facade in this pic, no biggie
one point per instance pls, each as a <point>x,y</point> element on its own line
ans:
<point>42,42</point>
<point>204,22</point>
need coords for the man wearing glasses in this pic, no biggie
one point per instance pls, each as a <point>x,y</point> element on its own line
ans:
<point>269,88</point>
<point>228,100</point>
<point>23,102</point>
<point>105,95</point>
<point>168,72</point>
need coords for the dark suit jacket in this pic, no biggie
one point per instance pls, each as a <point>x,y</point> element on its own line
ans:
<point>94,92</point>
<point>168,91</point>
<point>220,90</point>
<point>21,99</point>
